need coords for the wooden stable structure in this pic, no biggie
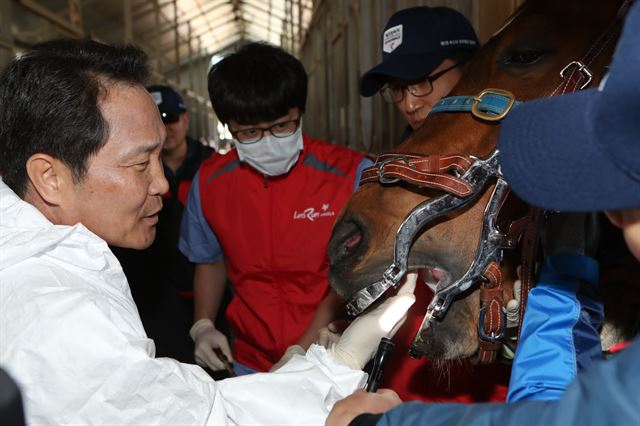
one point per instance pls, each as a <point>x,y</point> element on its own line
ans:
<point>337,40</point>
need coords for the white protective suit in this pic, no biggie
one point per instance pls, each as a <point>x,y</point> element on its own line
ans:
<point>71,336</point>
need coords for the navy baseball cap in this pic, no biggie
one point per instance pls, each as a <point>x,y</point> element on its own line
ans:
<point>169,102</point>
<point>415,41</point>
<point>581,152</point>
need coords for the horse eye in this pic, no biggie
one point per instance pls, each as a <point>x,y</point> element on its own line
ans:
<point>523,57</point>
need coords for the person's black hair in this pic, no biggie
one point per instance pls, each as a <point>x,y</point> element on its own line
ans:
<point>259,82</point>
<point>49,103</point>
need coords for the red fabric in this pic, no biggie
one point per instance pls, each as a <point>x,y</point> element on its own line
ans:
<point>184,186</point>
<point>274,234</point>
<point>418,380</point>
<point>619,347</point>
<point>183,191</point>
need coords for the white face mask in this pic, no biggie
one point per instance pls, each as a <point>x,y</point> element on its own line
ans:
<point>270,155</point>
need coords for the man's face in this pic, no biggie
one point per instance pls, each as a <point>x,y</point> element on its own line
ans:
<point>416,108</point>
<point>176,133</point>
<point>120,197</point>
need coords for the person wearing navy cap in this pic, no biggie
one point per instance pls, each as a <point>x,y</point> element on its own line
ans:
<point>585,150</point>
<point>422,50</point>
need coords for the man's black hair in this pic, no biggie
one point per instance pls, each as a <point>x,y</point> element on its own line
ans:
<point>49,103</point>
<point>259,82</point>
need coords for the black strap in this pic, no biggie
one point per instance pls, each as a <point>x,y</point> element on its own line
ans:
<point>366,419</point>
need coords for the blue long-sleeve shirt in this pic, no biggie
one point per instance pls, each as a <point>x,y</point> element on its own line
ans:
<point>560,329</point>
<point>605,394</point>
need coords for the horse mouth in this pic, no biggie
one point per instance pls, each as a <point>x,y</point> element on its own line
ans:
<point>436,278</point>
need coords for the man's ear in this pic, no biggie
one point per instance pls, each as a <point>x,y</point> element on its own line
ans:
<point>49,177</point>
<point>185,117</point>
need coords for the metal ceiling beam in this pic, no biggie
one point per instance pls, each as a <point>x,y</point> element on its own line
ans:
<point>196,35</point>
<point>215,24</point>
<point>52,17</point>
<point>136,11</point>
<point>185,18</point>
<point>268,10</point>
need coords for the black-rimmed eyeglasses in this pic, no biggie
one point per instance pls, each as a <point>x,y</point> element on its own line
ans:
<point>395,93</point>
<point>278,130</point>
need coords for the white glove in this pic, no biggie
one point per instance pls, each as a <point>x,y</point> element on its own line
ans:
<point>360,340</point>
<point>288,354</point>
<point>208,339</point>
<point>330,335</point>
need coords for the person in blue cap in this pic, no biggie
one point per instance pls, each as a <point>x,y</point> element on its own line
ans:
<point>423,49</point>
<point>572,153</point>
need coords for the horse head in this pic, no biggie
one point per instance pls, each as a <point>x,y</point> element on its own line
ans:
<point>548,47</point>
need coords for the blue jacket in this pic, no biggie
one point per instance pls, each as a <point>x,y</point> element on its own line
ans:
<point>605,394</point>
<point>560,330</point>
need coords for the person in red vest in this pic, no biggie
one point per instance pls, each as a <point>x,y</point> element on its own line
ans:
<point>262,215</point>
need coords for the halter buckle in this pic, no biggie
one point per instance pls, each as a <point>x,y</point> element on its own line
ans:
<point>477,100</point>
<point>582,69</point>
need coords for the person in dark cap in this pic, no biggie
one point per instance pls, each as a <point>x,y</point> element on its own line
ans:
<point>181,154</point>
<point>262,216</point>
<point>573,153</point>
<point>422,51</point>
<point>161,277</point>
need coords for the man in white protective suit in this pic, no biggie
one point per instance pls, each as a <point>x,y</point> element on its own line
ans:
<point>80,143</point>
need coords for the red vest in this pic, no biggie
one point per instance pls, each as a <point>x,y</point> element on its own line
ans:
<point>274,234</point>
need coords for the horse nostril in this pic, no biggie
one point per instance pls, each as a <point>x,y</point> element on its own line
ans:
<point>353,241</point>
<point>347,238</point>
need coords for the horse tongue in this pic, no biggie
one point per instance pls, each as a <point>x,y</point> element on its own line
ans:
<point>432,276</point>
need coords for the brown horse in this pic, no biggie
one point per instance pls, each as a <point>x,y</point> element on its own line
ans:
<point>547,48</point>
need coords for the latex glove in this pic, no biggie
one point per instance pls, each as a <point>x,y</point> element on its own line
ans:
<point>330,335</point>
<point>360,340</point>
<point>207,338</point>
<point>288,354</point>
<point>570,233</point>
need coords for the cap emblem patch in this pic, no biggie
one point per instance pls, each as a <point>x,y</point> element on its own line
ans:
<point>391,39</point>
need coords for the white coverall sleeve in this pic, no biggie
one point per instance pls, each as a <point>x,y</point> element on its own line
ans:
<point>301,392</point>
<point>82,358</point>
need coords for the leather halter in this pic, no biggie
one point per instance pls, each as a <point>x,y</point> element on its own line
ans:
<point>439,172</point>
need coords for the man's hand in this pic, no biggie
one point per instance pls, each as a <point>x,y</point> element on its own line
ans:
<point>360,402</point>
<point>360,340</point>
<point>207,338</point>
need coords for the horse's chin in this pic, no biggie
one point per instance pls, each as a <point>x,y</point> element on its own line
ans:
<point>447,338</point>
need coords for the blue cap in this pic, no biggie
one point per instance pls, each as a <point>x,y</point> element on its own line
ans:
<point>169,102</point>
<point>415,41</point>
<point>581,152</point>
